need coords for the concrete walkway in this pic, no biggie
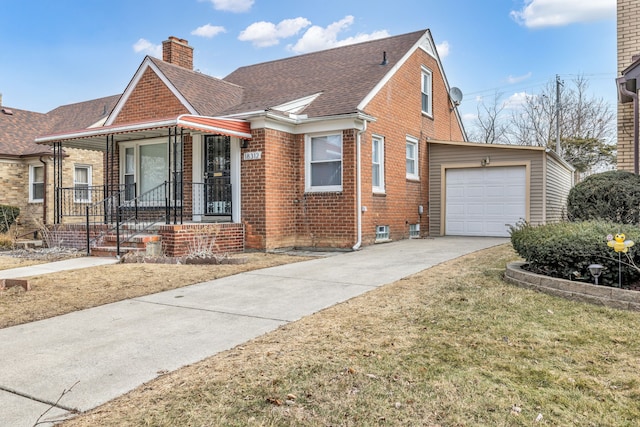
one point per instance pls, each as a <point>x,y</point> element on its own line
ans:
<point>109,350</point>
<point>52,267</point>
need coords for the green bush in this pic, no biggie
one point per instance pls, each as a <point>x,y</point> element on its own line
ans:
<point>8,215</point>
<point>565,250</point>
<point>611,196</point>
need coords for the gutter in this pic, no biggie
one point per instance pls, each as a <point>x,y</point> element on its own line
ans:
<point>359,185</point>
<point>624,91</point>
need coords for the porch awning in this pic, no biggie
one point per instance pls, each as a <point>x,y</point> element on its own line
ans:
<point>95,138</point>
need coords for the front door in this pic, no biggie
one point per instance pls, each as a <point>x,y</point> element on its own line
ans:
<point>217,175</point>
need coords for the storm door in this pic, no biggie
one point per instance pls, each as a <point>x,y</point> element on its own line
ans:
<point>217,175</point>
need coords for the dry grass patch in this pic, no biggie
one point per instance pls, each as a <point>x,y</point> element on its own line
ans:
<point>451,346</point>
<point>67,291</point>
<point>7,262</point>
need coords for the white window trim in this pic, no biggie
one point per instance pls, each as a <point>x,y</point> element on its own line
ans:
<point>307,164</point>
<point>89,169</point>
<point>428,91</point>
<point>381,187</point>
<point>414,176</point>
<point>31,182</point>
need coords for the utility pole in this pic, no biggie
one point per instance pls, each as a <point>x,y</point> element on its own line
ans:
<point>558,84</point>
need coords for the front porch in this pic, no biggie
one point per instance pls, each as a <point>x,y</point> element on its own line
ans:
<point>180,182</point>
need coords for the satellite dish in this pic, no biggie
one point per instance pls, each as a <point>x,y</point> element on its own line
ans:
<point>456,95</point>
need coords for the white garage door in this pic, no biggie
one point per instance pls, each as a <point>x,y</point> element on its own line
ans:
<point>482,201</point>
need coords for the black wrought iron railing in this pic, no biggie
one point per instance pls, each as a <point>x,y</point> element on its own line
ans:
<point>126,214</point>
<point>73,201</point>
<point>101,217</point>
<point>211,198</point>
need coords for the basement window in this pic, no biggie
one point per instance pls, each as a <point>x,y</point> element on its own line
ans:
<point>414,231</point>
<point>382,233</point>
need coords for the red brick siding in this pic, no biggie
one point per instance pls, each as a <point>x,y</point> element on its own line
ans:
<point>253,188</point>
<point>398,108</point>
<point>150,99</point>
<point>178,239</point>
<point>75,235</point>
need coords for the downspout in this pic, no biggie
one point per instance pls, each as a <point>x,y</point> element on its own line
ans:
<point>44,193</point>
<point>623,90</point>
<point>359,185</point>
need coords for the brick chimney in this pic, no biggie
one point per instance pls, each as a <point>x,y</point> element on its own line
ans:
<point>178,52</point>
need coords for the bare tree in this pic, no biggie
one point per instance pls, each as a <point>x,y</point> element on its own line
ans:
<point>489,126</point>
<point>586,123</point>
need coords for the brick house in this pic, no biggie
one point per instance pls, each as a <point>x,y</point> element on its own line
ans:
<point>325,150</point>
<point>26,168</point>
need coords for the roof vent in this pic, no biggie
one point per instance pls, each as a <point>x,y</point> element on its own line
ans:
<point>7,111</point>
<point>384,58</point>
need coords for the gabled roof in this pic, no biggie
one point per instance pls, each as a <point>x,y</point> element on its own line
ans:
<point>19,128</point>
<point>344,76</point>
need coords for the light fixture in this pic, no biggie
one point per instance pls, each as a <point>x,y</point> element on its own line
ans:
<point>245,143</point>
<point>595,270</point>
<point>485,161</point>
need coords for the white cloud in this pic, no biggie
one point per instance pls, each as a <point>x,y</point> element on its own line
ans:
<point>319,38</point>
<point>236,6</point>
<point>517,79</point>
<point>265,34</point>
<point>469,117</point>
<point>517,100</point>
<point>208,31</point>
<point>443,49</point>
<point>553,13</point>
<point>148,48</point>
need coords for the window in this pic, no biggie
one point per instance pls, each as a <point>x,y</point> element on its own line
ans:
<point>129,173</point>
<point>145,166</point>
<point>382,233</point>
<point>324,163</point>
<point>427,91</point>
<point>414,231</point>
<point>412,158</point>
<point>36,183</point>
<point>81,184</point>
<point>377,160</point>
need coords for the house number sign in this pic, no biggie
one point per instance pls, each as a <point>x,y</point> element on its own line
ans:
<point>253,155</point>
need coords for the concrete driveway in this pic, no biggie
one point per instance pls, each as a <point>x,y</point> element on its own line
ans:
<point>109,350</point>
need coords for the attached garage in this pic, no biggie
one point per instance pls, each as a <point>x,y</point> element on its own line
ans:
<point>482,189</point>
<point>483,201</point>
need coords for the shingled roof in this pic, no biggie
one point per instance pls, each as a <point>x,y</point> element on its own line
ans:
<point>19,128</point>
<point>344,76</point>
<point>208,95</point>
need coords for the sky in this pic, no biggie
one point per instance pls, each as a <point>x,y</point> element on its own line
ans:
<point>58,52</point>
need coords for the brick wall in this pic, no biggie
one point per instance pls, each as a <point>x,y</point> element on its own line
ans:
<point>254,188</point>
<point>398,108</point>
<point>180,240</point>
<point>628,28</point>
<point>151,99</point>
<point>14,179</point>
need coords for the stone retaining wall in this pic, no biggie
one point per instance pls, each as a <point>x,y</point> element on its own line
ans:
<point>578,291</point>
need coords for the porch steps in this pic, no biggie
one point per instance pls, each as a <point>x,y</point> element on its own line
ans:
<point>148,243</point>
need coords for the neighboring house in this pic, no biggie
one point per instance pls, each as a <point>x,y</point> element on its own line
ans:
<point>26,168</point>
<point>328,149</point>
<point>628,38</point>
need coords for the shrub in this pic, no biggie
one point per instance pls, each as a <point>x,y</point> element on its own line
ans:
<point>565,250</point>
<point>8,215</point>
<point>611,196</point>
